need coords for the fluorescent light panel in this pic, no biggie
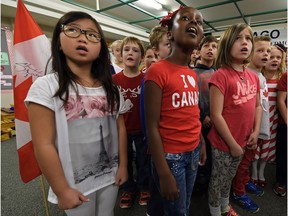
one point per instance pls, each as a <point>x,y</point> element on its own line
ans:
<point>151,3</point>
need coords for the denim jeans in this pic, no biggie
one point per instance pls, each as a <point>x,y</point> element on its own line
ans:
<point>141,162</point>
<point>184,169</point>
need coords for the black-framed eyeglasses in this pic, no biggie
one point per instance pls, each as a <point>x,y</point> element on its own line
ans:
<point>74,32</point>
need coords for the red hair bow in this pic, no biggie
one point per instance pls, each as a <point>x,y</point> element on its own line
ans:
<point>165,20</point>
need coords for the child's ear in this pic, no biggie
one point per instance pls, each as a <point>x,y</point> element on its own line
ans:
<point>169,36</point>
<point>155,50</point>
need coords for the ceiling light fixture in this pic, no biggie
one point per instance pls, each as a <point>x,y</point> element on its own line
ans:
<point>152,4</point>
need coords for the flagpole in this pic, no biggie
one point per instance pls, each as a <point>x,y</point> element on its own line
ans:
<point>44,195</point>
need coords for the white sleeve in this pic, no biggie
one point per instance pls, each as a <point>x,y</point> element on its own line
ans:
<point>122,107</point>
<point>41,93</point>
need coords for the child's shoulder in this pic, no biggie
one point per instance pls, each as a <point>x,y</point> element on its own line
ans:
<point>117,75</point>
<point>254,73</point>
<point>48,78</point>
<point>164,63</point>
<point>160,62</point>
<point>223,70</point>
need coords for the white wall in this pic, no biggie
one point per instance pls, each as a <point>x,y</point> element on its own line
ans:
<point>6,98</point>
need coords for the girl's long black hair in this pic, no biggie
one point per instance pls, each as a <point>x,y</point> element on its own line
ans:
<point>100,68</point>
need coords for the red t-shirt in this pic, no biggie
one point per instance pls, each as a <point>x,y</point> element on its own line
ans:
<point>130,89</point>
<point>282,86</point>
<point>238,106</point>
<point>179,124</point>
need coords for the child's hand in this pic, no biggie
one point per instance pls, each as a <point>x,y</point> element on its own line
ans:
<point>203,155</point>
<point>169,187</point>
<point>236,151</point>
<point>251,147</point>
<point>252,140</point>
<point>70,199</point>
<point>121,175</point>
<point>207,123</point>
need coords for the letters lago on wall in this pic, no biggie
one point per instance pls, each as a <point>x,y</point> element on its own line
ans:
<point>278,35</point>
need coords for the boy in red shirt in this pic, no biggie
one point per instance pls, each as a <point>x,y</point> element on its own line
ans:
<point>129,82</point>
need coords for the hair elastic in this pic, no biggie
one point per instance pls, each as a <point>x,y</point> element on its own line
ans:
<point>164,21</point>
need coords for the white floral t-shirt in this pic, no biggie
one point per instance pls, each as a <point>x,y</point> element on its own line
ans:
<point>87,137</point>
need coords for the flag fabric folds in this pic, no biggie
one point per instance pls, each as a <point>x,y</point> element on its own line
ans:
<point>31,53</point>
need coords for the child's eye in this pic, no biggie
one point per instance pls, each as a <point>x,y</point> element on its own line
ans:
<point>186,18</point>
<point>93,35</point>
<point>248,38</point>
<point>199,22</point>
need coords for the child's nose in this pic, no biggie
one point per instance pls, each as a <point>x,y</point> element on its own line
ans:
<point>82,37</point>
<point>245,41</point>
<point>266,53</point>
<point>193,20</point>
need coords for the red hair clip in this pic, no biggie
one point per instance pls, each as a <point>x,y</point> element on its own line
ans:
<point>165,20</point>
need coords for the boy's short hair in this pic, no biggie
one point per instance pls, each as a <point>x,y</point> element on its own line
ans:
<point>133,40</point>
<point>207,39</point>
<point>148,47</point>
<point>156,35</point>
<point>262,38</point>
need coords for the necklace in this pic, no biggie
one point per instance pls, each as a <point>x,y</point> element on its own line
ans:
<point>242,75</point>
<point>87,83</point>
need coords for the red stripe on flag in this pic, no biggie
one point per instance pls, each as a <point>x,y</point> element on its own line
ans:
<point>25,30</point>
<point>20,93</point>
<point>27,163</point>
<point>25,26</point>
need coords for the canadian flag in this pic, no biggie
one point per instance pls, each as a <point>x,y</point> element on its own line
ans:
<point>32,51</point>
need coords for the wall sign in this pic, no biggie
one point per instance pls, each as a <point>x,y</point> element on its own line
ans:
<point>278,35</point>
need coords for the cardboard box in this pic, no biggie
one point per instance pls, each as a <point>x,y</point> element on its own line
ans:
<point>4,136</point>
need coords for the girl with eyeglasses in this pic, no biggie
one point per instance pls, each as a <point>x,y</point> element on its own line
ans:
<point>76,120</point>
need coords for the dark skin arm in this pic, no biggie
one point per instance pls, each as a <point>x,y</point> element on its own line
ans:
<point>203,155</point>
<point>207,122</point>
<point>153,95</point>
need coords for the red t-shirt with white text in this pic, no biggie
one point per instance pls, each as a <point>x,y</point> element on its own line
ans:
<point>238,106</point>
<point>179,124</point>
